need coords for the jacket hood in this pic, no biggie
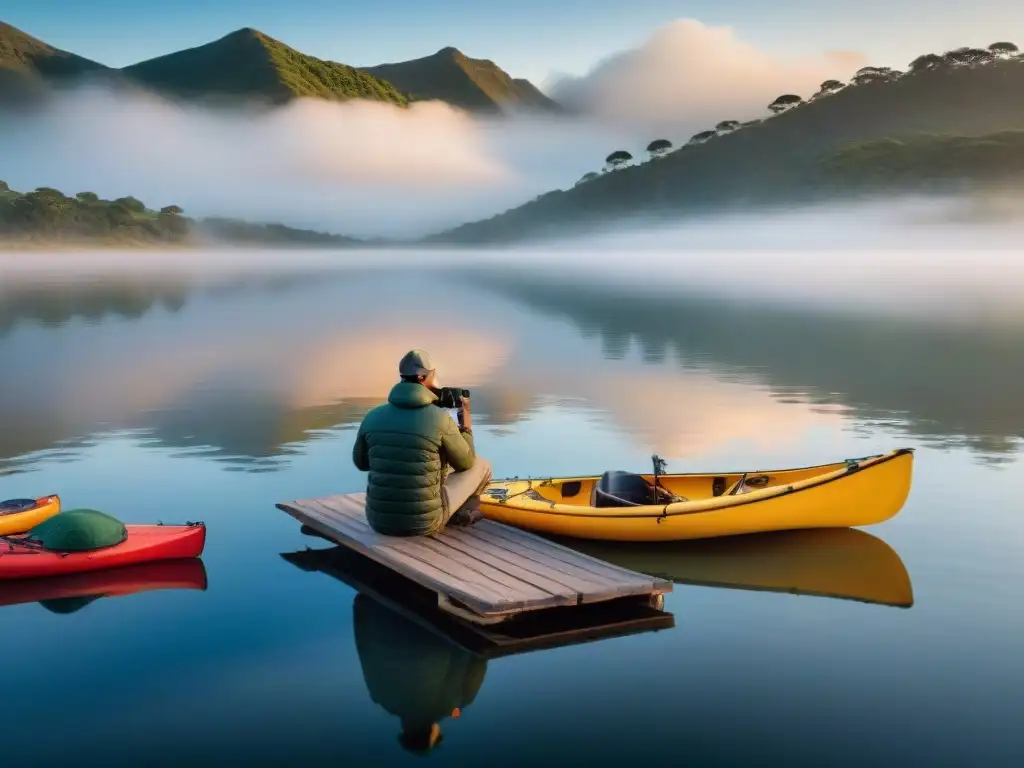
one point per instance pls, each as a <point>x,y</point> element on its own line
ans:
<point>409,394</point>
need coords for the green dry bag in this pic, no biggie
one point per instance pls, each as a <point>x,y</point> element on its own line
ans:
<point>79,530</point>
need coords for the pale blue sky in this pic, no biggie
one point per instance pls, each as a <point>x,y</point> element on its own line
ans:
<point>529,38</point>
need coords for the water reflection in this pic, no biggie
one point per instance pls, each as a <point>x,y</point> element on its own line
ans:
<point>953,383</point>
<point>418,676</point>
<point>413,665</point>
<point>71,593</point>
<point>252,375</point>
<point>424,666</point>
<point>843,563</point>
<point>248,369</point>
<point>56,300</point>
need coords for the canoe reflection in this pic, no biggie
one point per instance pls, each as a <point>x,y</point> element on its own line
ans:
<point>416,675</point>
<point>843,563</point>
<point>70,593</point>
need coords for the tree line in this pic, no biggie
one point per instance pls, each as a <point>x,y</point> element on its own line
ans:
<point>48,213</point>
<point>965,57</point>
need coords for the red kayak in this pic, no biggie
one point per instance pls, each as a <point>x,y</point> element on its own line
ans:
<point>145,543</point>
<point>188,573</point>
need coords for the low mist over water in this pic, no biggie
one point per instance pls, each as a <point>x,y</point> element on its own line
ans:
<point>910,256</point>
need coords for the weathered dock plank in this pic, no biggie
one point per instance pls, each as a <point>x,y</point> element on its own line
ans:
<point>485,573</point>
<point>552,573</point>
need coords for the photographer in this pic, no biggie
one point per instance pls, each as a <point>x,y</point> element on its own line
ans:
<point>424,471</point>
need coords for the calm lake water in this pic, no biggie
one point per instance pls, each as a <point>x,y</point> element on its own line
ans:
<point>186,396</point>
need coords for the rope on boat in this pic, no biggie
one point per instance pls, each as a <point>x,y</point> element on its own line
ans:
<point>14,542</point>
<point>529,487</point>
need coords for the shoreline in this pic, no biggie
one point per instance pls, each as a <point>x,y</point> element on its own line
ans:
<point>68,246</point>
<point>88,245</point>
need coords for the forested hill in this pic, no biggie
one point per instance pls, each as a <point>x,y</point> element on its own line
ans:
<point>785,156</point>
<point>47,217</point>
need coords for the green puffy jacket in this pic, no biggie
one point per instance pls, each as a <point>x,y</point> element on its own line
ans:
<point>406,445</point>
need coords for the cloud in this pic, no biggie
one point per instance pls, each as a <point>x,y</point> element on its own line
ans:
<point>361,168</point>
<point>691,75</point>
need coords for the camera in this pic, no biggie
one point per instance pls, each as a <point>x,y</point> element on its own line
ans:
<point>451,397</point>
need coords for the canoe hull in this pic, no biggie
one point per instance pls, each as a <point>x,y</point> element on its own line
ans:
<point>19,522</point>
<point>854,494</point>
<point>145,543</point>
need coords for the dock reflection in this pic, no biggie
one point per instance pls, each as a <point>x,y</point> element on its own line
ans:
<point>423,665</point>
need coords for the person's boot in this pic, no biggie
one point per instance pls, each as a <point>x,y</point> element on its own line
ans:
<point>467,514</point>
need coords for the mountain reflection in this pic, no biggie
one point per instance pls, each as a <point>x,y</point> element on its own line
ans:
<point>55,302</point>
<point>245,373</point>
<point>59,304</point>
<point>953,384</point>
<point>250,368</point>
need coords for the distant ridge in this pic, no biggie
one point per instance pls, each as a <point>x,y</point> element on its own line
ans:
<point>20,52</point>
<point>249,65</point>
<point>808,152</point>
<point>477,85</point>
<point>29,67</point>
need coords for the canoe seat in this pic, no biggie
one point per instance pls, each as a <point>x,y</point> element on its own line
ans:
<point>617,488</point>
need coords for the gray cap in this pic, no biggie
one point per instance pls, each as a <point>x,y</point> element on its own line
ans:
<point>415,363</point>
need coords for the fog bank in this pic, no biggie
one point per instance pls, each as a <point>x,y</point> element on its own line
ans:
<point>357,168</point>
<point>371,169</point>
<point>895,257</point>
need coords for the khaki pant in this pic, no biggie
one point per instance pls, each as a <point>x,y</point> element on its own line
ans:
<point>457,488</point>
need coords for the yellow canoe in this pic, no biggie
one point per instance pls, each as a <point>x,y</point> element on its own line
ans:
<point>19,515</point>
<point>838,563</point>
<point>618,506</point>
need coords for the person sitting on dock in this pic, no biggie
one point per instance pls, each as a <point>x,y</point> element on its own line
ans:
<point>423,468</point>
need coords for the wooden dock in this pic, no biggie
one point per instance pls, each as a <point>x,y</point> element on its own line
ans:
<point>486,573</point>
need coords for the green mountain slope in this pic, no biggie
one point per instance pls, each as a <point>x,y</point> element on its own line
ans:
<point>779,159</point>
<point>928,161</point>
<point>248,65</point>
<point>28,67</point>
<point>473,84</point>
<point>20,52</point>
